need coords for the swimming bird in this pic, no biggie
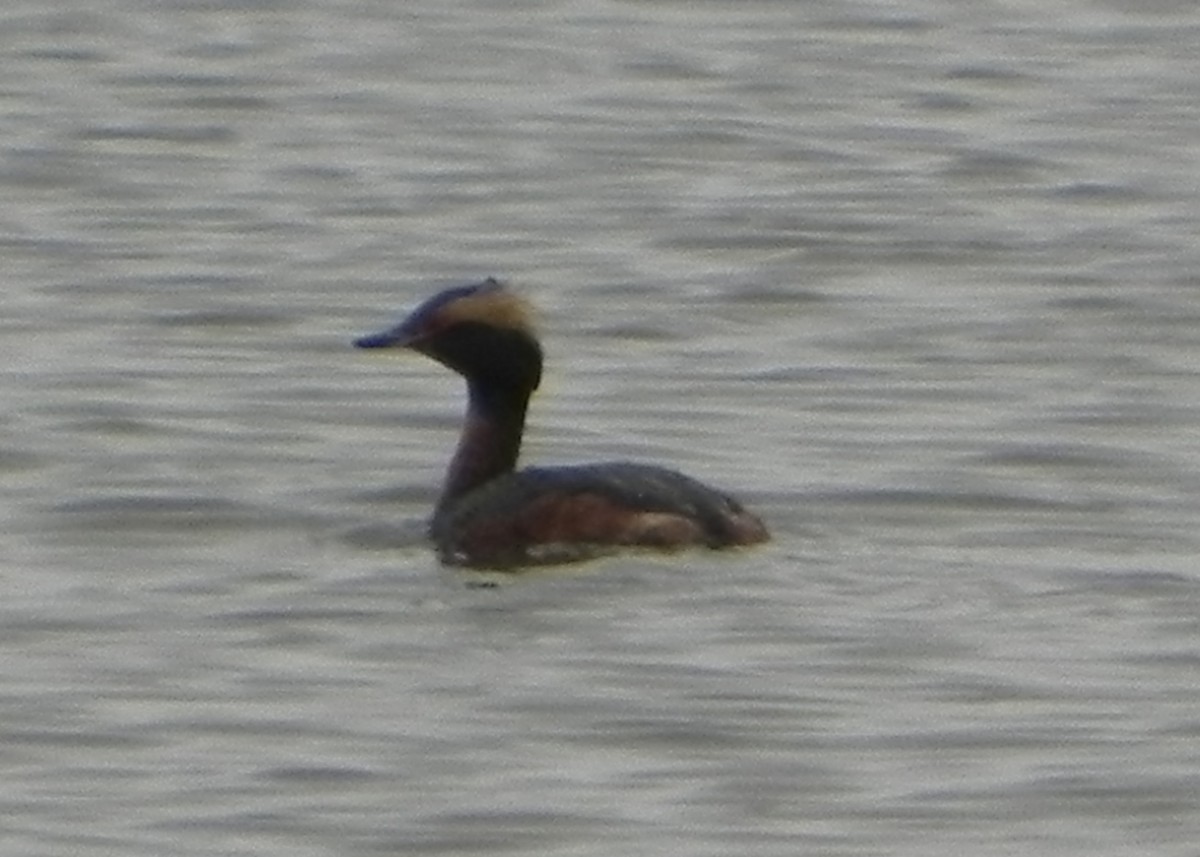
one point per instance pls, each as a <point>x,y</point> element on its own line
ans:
<point>490,514</point>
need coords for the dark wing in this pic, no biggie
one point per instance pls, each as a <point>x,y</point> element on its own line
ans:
<point>556,513</point>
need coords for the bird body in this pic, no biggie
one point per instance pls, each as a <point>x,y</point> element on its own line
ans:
<point>492,515</point>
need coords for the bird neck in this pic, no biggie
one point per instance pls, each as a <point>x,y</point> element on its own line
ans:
<point>490,440</point>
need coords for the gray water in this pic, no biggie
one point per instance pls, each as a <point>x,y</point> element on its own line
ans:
<point>918,281</point>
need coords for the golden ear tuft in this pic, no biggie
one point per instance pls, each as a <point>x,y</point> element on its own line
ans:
<point>494,306</point>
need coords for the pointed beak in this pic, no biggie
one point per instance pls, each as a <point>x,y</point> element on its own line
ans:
<point>401,336</point>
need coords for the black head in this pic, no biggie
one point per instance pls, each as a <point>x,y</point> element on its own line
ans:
<point>483,332</point>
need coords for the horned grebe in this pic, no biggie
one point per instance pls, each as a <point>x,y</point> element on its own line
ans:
<point>490,515</point>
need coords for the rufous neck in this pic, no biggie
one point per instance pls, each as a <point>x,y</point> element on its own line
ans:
<point>490,442</point>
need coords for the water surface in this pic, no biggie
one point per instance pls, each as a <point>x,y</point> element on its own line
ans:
<point>916,281</point>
